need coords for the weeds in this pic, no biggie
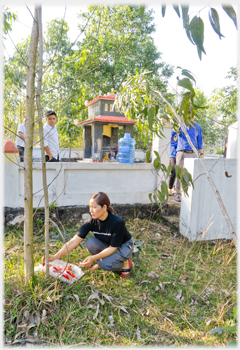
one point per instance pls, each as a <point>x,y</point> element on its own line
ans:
<point>178,293</point>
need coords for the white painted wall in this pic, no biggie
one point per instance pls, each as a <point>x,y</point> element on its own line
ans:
<point>232,149</point>
<point>200,216</point>
<point>74,183</point>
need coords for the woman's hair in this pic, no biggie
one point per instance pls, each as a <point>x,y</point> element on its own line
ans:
<point>102,199</point>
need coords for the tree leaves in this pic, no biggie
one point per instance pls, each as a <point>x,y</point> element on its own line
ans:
<point>195,30</point>
<point>219,330</point>
<point>184,106</point>
<point>164,188</point>
<point>163,10</point>
<point>197,33</point>
<point>148,155</point>
<point>231,13</point>
<point>185,16</point>
<point>151,117</point>
<point>8,18</point>
<point>142,8</point>
<point>176,8</point>
<point>188,74</point>
<point>214,20</point>
<point>186,83</point>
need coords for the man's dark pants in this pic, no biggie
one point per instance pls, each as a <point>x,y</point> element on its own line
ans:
<point>21,153</point>
<point>52,160</point>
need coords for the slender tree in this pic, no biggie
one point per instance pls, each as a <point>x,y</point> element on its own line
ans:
<point>28,190</point>
<point>39,107</point>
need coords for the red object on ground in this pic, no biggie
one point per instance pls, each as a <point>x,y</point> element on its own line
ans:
<point>71,274</point>
<point>10,147</point>
<point>66,276</point>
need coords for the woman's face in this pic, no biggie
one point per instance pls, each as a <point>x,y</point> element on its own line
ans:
<point>96,211</point>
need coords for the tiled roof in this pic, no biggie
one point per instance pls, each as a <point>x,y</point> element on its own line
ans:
<point>108,97</point>
<point>109,119</point>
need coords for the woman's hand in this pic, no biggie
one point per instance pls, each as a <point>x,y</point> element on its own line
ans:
<point>51,258</point>
<point>87,262</point>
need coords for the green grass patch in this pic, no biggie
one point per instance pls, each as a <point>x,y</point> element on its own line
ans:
<point>179,292</point>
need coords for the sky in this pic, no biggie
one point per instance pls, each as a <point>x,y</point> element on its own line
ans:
<point>170,39</point>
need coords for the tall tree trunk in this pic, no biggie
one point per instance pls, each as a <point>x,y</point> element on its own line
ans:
<point>70,147</point>
<point>39,107</point>
<point>211,182</point>
<point>28,191</point>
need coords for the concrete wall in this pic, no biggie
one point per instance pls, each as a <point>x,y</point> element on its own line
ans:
<point>74,183</point>
<point>200,215</point>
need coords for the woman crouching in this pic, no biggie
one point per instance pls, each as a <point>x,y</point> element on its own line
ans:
<point>112,244</point>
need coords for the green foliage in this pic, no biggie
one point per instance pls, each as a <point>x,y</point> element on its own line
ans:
<point>195,28</point>
<point>116,41</point>
<point>140,100</point>
<point>53,205</point>
<point>231,329</point>
<point>214,20</point>
<point>15,79</point>
<point>221,112</point>
<point>231,13</point>
<point>126,37</point>
<point>70,135</point>
<point>8,18</point>
<point>39,222</point>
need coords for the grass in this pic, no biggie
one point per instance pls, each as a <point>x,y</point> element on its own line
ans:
<point>178,293</point>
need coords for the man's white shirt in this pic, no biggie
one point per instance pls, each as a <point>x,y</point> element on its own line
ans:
<point>51,139</point>
<point>20,142</point>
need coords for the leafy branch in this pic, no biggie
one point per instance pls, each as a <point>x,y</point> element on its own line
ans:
<point>141,101</point>
<point>194,28</point>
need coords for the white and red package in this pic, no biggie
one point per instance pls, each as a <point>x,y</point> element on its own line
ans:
<point>66,272</point>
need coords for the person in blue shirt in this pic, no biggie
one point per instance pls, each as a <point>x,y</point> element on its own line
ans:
<point>184,150</point>
<point>173,146</point>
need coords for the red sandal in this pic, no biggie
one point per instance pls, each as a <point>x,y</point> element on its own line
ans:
<point>124,275</point>
<point>94,267</point>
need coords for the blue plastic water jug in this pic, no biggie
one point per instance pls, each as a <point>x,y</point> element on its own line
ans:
<point>126,149</point>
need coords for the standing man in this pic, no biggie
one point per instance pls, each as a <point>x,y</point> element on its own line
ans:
<point>184,150</point>
<point>51,142</point>
<point>21,139</point>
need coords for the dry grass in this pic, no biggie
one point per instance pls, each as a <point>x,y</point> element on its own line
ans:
<point>180,291</point>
